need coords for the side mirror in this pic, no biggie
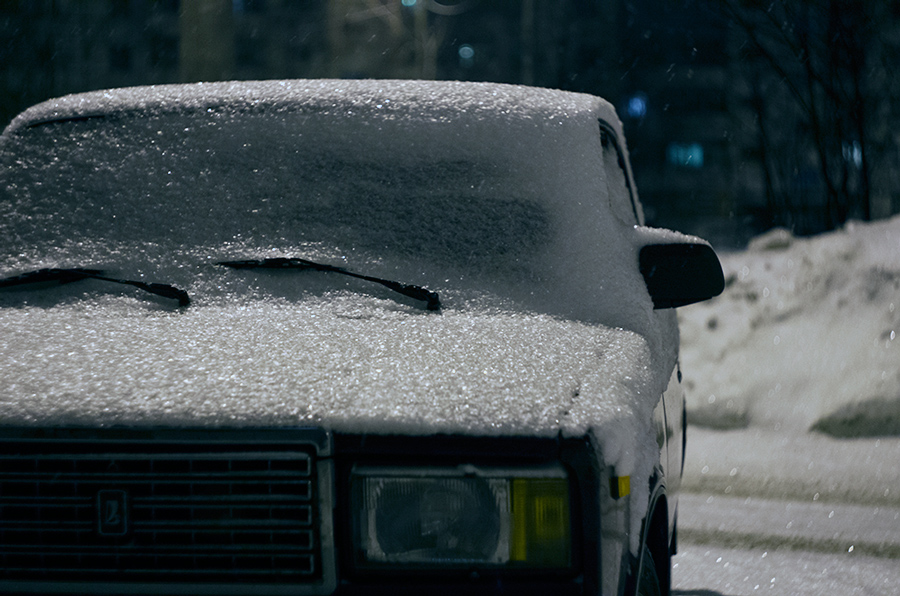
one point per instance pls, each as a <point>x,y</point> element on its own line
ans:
<point>680,274</point>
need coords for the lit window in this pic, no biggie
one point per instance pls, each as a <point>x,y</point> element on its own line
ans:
<point>685,155</point>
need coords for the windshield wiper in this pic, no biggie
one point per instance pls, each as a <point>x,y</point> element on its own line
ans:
<point>64,276</point>
<point>416,292</point>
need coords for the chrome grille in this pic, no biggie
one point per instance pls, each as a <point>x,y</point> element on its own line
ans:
<point>136,512</point>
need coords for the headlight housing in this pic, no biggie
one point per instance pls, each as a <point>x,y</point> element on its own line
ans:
<point>462,517</point>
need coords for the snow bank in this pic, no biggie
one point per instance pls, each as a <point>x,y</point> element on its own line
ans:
<point>804,336</point>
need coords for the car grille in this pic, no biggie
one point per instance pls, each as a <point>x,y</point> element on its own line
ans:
<point>224,511</point>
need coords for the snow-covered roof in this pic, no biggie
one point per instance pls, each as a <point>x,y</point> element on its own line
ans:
<point>417,100</point>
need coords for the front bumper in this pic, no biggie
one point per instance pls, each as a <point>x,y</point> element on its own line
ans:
<point>248,511</point>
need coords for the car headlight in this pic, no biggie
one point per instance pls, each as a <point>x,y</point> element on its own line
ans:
<point>437,517</point>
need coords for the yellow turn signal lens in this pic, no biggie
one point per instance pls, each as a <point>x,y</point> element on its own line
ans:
<point>541,526</point>
<point>620,486</point>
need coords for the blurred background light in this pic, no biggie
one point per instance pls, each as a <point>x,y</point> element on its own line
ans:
<point>637,105</point>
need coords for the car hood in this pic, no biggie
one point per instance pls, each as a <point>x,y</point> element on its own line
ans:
<point>344,361</point>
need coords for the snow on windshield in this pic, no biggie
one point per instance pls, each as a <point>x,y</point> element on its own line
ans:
<point>456,180</point>
<point>271,182</point>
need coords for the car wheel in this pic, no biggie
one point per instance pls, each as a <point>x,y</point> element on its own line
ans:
<point>648,580</point>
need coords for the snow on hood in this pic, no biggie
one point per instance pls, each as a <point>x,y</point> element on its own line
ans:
<point>345,361</point>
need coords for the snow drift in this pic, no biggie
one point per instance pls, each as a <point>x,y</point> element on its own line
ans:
<point>804,336</point>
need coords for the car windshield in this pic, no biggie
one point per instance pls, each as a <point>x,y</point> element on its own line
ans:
<point>273,180</point>
<point>444,205</point>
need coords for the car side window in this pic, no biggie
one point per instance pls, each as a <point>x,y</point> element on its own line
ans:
<point>621,199</point>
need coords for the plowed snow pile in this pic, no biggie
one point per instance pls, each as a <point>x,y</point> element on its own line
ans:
<point>804,336</point>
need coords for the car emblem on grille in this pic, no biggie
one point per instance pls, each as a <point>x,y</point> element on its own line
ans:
<point>112,512</point>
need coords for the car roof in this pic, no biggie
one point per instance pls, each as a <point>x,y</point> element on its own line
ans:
<point>431,100</point>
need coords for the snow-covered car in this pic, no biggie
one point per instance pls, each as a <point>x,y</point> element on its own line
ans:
<point>308,337</point>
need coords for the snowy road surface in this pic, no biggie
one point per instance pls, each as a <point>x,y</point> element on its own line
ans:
<point>741,545</point>
<point>816,526</point>
<point>803,515</point>
<point>706,570</point>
